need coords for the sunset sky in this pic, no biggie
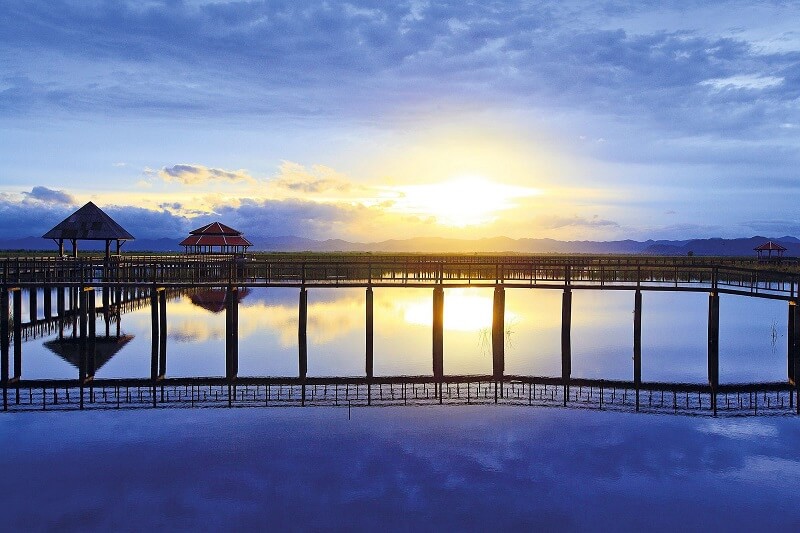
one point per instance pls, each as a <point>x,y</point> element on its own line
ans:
<point>374,120</point>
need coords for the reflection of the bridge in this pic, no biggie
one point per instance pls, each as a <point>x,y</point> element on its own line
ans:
<point>664,398</point>
<point>477,312</point>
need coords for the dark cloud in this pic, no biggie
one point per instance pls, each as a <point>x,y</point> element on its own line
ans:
<point>199,174</point>
<point>50,196</point>
<point>149,224</point>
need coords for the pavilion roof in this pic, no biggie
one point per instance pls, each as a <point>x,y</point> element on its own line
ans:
<point>215,240</point>
<point>769,245</point>
<point>89,223</point>
<point>215,228</point>
<point>105,348</point>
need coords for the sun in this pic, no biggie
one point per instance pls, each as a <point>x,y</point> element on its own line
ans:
<point>461,201</point>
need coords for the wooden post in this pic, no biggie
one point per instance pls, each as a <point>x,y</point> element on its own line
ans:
<point>637,343</point>
<point>162,334</point>
<point>154,335</point>
<point>232,333</point>
<point>498,333</point>
<point>17,333</point>
<point>33,311</point>
<point>48,301</point>
<point>82,319</point>
<point>369,347</point>
<point>713,347</point>
<point>566,340</point>
<point>92,344</point>
<point>793,339</point>
<point>4,345</point>
<point>302,337</point>
<point>438,333</point>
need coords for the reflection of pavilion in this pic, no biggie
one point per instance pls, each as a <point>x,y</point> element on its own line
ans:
<point>69,348</point>
<point>214,299</point>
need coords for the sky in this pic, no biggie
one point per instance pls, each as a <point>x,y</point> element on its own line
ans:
<point>367,120</point>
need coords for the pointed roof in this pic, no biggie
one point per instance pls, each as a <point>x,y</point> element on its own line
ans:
<point>769,245</point>
<point>89,223</point>
<point>105,348</point>
<point>215,228</point>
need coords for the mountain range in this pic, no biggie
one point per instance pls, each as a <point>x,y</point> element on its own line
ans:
<point>713,246</point>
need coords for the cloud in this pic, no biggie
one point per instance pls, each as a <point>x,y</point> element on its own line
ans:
<point>50,196</point>
<point>559,222</point>
<point>199,175</point>
<point>294,178</point>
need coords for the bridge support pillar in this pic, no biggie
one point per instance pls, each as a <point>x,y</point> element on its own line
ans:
<point>91,310</point>
<point>4,345</point>
<point>637,343</point>
<point>302,334</point>
<point>17,296</point>
<point>713,347</point>
<point>793,339</point>
<point>33,312</point>
<point>438,337</point>
<point>369,344</point>
<point>231,333</point>
<point>566,340</point>
<point>162,334</point>
<point>155,333</point>
<point>48,301</point>
<point>498,337</point>
<point>83,322</point>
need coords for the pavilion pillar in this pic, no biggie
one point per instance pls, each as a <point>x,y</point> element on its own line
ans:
<point>74,248</point>
<point>713,346</point>
<point>61,247</point>
<point>108,249</point>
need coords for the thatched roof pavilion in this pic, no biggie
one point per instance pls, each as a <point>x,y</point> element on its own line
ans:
<point>89,223</point>
<point>767,248</point>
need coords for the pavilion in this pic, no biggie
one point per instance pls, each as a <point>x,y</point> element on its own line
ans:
<point>215,238</point>
<point>89,223</point>
<point>769,247</point>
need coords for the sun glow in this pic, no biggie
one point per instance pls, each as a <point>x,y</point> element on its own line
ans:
<point>464,310</point>
<point>459,202</point>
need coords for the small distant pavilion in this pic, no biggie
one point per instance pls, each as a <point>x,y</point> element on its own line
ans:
<point>765,251</point>
<point>89,223</point>
<point>215,238</point>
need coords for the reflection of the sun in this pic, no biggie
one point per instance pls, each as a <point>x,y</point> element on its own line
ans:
<point>464,310</point>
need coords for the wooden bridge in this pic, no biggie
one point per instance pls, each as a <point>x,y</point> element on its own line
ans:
<point>149,280</point>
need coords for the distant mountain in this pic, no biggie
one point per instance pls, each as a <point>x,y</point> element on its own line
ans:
<point>715,246</point>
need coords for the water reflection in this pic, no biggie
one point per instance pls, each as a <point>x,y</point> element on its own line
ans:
<point>752,335</point>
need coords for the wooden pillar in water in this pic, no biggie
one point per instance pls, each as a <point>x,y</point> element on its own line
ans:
<point>4,345</point>
<point>369,337</point>
<point>793,351</point>
<point>92,323</point>
<point>82,342</point>
<point>713,346</point>
<point>33,313</point>
<point>302,336</point>
<point>793,339</point>
<point>60,311</point>
<point>232,333</point>
<point>155,332</point>
<point>48,301</point>
<point>498,337</point>
<point>637,343</point>
<point>566,340</point>
<point>162,334</point>
<point>438,335</point>
<point>17,296</point>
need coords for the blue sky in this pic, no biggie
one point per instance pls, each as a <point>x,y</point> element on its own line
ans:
<point>373,120</point>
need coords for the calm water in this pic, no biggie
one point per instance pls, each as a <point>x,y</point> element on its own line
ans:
<point>752,335</point>
<point>421,468</point>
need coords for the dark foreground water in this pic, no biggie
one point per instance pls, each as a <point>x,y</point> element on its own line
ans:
<point>455,468</point>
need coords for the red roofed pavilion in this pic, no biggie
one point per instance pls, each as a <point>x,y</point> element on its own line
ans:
<point>769,247</point>
<point>215,238</point>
